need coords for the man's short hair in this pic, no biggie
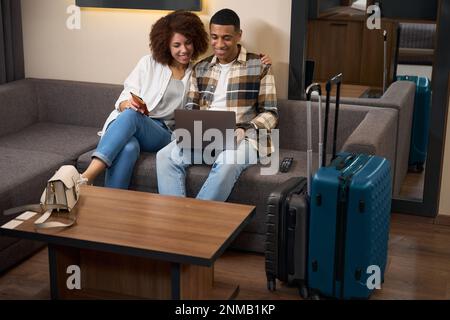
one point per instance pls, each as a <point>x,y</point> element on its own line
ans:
<point>226,17</point>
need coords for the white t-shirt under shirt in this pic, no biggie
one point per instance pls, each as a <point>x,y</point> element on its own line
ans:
<point>171,100</point>
<point>219,102</point>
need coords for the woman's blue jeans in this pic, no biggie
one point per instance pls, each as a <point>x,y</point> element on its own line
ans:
<point>123,142</point>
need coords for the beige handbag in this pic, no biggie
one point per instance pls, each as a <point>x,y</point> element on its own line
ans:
<point>61,194</point>
<point>62,189</point>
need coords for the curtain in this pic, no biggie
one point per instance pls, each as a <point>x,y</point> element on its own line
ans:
<point>11,42</point>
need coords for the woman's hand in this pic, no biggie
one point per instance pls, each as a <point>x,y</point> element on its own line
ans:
<point>266,59</point>
<point>129,104</point>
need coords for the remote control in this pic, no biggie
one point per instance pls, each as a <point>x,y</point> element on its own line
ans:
<point>286,164</point>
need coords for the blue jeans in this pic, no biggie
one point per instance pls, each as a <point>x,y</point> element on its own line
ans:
<point>124,140</point>
<point>171,165</point>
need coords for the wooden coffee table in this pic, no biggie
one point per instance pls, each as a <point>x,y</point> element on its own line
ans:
<point>131,244</point>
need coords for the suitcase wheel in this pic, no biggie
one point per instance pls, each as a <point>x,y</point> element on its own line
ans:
<point>271,284</point>
<point>416,168</point>
<point>303,291</point>
<point>315,296</point>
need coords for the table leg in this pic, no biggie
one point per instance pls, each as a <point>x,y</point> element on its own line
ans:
<point>175,279</point>
<point>52,263</point>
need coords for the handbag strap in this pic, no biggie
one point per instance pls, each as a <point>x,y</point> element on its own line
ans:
<point>39,208</point>
<point>46,211</point>
<point>41,224</point>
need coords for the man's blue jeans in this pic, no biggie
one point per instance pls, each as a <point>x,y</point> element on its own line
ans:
<point>124,140</point>
<point>171,166</point>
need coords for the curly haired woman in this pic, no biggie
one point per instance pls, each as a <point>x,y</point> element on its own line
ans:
<point>161,80</point>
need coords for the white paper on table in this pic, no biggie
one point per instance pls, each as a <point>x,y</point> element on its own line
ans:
<point>11,224</point>
<point>26,215</point>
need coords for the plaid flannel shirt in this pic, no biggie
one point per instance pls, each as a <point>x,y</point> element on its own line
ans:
<point>251,94</point>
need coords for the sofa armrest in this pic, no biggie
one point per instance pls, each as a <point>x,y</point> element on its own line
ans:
<point>375,135</point>
<point>18,106</point>
<point>399,95</point>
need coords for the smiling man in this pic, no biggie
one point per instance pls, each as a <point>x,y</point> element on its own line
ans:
<point>230,80</point>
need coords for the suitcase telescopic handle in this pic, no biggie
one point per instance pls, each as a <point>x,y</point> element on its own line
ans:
<point>315,87</point>
<point>336,80</point>
<point>312,89</point>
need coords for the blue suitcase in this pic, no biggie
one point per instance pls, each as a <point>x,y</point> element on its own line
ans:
<point>349,222</point>
<point>421,122</point>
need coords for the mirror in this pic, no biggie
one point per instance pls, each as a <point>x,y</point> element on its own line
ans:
<point>337,40</point>
<point>371,62</point>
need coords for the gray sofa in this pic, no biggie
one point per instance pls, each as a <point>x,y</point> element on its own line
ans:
<point>48,123</point>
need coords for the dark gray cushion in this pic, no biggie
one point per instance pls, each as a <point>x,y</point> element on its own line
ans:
<point>417,35</point>
<point>65,140</point>
<point>76,103</point>
<point>18,106</point>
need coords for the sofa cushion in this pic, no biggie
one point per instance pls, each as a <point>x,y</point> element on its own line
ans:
<point>18,106</point>
<point>65,140</point>
<point>75,103</point>
<point>252,187</point>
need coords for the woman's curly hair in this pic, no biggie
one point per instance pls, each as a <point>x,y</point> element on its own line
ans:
<point>184,22</point>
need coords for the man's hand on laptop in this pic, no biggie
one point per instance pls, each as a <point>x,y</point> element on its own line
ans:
<point>240,135</point>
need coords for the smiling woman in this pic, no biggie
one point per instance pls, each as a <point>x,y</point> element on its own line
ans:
<point>160,79</point>
<point>192,5</point>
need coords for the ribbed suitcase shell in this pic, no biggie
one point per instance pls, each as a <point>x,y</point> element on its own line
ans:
<point>421,120</point>
<point>343,245</point>
<point>286,237</point>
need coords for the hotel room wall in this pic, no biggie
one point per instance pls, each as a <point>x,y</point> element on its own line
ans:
<point>111,41</point>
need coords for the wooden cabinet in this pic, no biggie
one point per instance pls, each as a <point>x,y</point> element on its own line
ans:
<point>346,45</point>
<point>335,47</point>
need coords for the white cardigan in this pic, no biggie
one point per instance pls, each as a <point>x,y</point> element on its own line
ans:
<point>149,80</point>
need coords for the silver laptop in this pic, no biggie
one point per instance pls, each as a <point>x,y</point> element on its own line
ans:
<point>205,128</point>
